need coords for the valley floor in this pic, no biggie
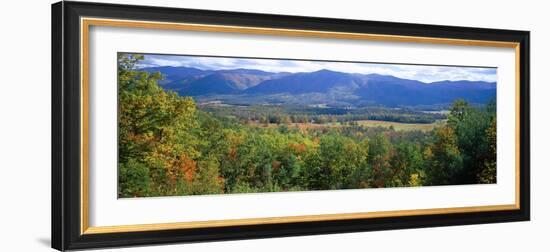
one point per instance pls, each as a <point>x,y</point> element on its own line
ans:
<point>397,126</point>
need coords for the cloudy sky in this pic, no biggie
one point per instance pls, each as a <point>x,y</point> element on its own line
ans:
<point>415,72</point>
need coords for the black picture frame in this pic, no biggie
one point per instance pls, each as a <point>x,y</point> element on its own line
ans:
<point>66,114</point>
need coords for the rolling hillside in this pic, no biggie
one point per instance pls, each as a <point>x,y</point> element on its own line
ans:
<point>248,86</point>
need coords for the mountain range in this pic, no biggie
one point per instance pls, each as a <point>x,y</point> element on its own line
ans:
<point>249,86</point>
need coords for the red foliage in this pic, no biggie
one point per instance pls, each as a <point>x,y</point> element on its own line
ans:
<point>188,168</point>
<point>298,148</point>
<point>233,153</point>
<point>276,165</point>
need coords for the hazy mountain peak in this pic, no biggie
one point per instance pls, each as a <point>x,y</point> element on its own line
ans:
<point>320,87</point>
<point>327,71</point>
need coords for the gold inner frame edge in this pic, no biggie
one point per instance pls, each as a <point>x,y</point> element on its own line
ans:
<point>85,24</point>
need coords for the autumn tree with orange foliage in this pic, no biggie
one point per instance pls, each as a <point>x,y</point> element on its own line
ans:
<point>156,139</point>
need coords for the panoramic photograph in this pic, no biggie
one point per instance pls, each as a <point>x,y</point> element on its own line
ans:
<point>197,125</point>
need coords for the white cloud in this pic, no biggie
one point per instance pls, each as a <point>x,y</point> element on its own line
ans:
<point>416,72</point>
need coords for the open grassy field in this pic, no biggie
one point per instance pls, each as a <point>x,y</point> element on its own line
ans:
<point>295,125</point>
<point>400,126</point>
<point>367,123</point>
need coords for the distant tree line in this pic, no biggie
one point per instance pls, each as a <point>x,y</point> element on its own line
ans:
<point>295,114</point>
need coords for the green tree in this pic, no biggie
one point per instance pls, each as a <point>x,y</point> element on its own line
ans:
<point>208,179</point>
<point>406,162</point>
<point>133,179</point>
<point>470,125</point>
<point>381,172</point>
<point>459,111</point>
<point>443,159</point>
<point>488,175</point>
<point>341,157</point>
<point>155,129</point>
